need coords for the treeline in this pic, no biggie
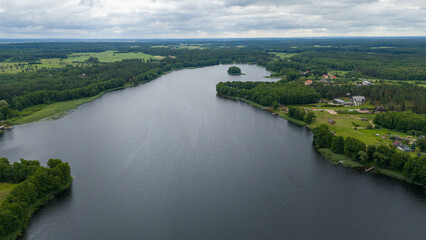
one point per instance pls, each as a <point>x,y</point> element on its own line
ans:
<point>383,156</point>
<point>403,122</point>
<point>300,114</point>
<point>269,93</point>
<point>401,66</point>
<point>51,96</point>
<point>40,184</point>
<point>393,97</point>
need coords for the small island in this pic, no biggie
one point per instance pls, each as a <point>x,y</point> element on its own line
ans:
<point>234,70</point>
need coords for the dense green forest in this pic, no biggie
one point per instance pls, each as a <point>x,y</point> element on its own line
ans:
<point>393,97</point>
<point>403,122</point>
<point>269,93</point>
<point>36,185</point>
<point>414,168</point>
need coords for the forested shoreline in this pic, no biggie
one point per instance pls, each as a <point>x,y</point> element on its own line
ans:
<point>36,185</point>
<point>413,168</point>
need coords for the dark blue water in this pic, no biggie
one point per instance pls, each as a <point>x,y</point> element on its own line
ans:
<point>171,160</point>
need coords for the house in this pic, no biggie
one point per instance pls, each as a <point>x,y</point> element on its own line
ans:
<point>325,76</point>
<point>379,109</point>
<point>324,81</point>
<point>357,100</point>
<point>333,77</point>
<point>341,102</point>
<point>383,137</point>
<point>401,146</point>
<point>366,83</point>
<point>331,121</point>
<point>308,82</point>
<point>404,148</point>
<point>396,143</point>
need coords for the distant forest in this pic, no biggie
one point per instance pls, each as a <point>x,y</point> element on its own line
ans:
<point>402,59</point>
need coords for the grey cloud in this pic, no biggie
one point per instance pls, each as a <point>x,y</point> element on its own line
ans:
<point>185,18</point>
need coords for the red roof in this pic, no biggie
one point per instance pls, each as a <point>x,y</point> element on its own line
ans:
<point>308,81</point>
<point>333,77</point>
<point>325,75</point>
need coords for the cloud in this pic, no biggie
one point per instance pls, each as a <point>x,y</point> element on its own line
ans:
<point>213,18</point>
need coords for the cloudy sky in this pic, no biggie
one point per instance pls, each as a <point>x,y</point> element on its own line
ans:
<point>211,18</point>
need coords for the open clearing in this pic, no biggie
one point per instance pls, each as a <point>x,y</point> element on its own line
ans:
<point>5,189</point>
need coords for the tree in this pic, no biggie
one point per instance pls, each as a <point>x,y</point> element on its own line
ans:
<point>352,147</point>
<point>421,143</point>
<point>371,149</point>
<point>338,144</point>
<point>234,70</point>
<point>309,118</point>
<point>322,136</point>
<point>363,157</point>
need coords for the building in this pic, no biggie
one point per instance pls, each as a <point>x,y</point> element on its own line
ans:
<point>379,110</point>
<point>308,82</point>
<point>331,121</point>
<point>358,100</point>
<point>366,83</point>
<point>401,146</point>
<point>341,102</point>
<point>324,81</point>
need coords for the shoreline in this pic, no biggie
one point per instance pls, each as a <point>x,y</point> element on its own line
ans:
<point>58,110</point>
<point>334,158</point>
<point>33,208</point>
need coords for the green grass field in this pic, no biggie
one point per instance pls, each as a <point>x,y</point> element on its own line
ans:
<point>5,189</point>
<point>283,55</point>
<point>108,56</point>
<point>344,127</point>
<point>75,59</point>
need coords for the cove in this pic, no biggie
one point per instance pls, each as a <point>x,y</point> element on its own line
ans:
<point>171,160</point>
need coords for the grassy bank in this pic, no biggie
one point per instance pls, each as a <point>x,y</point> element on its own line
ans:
<point>54,110</point>
<point>339,158</point>
<point>346,161</point>
<point>5,189</point>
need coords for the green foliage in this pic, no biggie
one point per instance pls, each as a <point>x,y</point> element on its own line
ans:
<point>310,117</point>
<point>421,143</point>
<point>392,96</point>
<point>402,121</point>
<point>338,144</point>
<point>16,209</point>
<point>353,146</point>
<point>296,113</point>
<point>269,93</point>
<point>363,157</point>
<point>322,136</point>
<point>234,70</point>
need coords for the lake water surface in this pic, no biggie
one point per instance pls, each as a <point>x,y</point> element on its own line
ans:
<point>171,160</point>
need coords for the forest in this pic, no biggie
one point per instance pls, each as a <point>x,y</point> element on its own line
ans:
<point>393,97</point>
<point>36,185</point>
<point>269,93</point>
<point>388,157</point>
<point>403,122</point>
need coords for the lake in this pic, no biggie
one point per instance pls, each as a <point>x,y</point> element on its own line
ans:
<point>171,160</point>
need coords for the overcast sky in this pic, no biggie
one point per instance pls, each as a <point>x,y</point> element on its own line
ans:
<point>210,19</point>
